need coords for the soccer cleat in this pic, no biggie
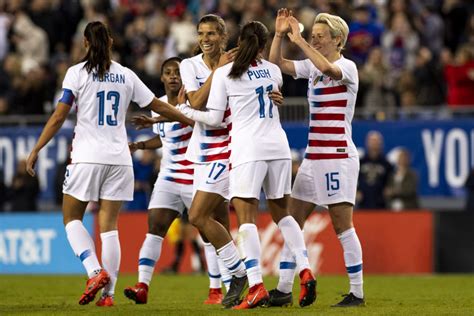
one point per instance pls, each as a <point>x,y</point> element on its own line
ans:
<point>350,300</point>
<point>280,299</point>
<point>215,297</point>
<point>308,288</point>
<point>235,292</point>
<point>93,286</point>
<point>257,296</point>
<point>105,300</point>
<point>137,293</point>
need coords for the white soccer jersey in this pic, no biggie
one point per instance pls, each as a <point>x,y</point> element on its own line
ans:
<point>175,138</point>
<point>256,129</point>
<point>207,143</point>
<point>100,135</point>
<point>331,105</point>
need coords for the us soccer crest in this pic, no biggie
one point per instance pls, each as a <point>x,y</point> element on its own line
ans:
<point>324,79</point>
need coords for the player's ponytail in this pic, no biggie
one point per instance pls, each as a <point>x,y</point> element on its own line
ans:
<point>98,55</point>
<point>252,40</point>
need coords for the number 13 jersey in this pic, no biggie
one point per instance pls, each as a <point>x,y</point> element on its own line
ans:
<point>100,135</point>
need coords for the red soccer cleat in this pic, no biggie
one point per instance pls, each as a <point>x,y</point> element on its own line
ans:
<point>137,293</point>
<point>308,288</point>
<point>105,300</point>
<point>93,286</point>
<point>257,296</point>
<point>215,297</point>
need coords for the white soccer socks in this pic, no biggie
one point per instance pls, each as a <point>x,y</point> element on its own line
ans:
<point>353,260</point>
<point>231,259</point>
<point>111,255</point>
<point>287,270</point>
<point>212,266</point>
<point>252,252</point>
<point>83,246</point>
<point>293,236</point>
<point>149,255</point>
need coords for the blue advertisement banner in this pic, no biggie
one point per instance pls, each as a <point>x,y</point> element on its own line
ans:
<point>37,243</point>
<point>442,151</point>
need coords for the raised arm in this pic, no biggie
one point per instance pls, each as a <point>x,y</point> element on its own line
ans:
<point>281,28</point>
<point>51,128</point>
<point>318,60</point>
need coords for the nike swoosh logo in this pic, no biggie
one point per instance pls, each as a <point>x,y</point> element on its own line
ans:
<point>331,194</point>
<point>207,182</point>
<point>200,78</point>
<point>253,299</point>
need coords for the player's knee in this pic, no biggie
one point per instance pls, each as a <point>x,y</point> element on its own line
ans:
<point>158,228</point>
<point>197,220</point>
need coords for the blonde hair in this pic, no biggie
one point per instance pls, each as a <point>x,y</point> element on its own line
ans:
<point>337,27</point>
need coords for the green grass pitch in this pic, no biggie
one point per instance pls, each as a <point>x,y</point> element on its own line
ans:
<point>184,294</point>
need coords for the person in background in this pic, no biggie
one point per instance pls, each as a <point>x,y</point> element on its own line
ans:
<point>23,193</point>
<point>374,172</point>
<point>459,75</point>
<point>401,190</point>
<point>469,185</point>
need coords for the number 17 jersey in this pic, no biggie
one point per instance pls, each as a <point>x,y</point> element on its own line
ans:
<point>99,135</point>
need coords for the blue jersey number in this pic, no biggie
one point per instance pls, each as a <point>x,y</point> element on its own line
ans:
<point>113,96</point>
<point>161,128</point>
<point>216,170</point>
<point>332,181</point>
<point>260,91</point>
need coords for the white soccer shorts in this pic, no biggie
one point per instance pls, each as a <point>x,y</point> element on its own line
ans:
<point>212,177</point>
<point>94,182</point>
<point>248,179</point>
<point>171,195</point>
<point>326,182</point>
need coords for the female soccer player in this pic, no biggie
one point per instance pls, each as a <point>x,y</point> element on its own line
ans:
<point>260,156</point>
<point>328,174</point>
<point>173,191</point>
<point>101,165</point>
<point>208,150</point>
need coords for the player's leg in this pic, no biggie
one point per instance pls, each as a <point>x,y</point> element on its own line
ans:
<point>277,188</point>
<point>159,221</point>
<point>282,295</point>
<point>341,216</point>
<point>201,215</point>
<point>111,253</point>
<point>164,208</point>
<point>116,186</point>
<point>212,184</point>
<point>337,187</point>
<point>245,186</point>
<point>301,204</point>
<point>82,184</point>
<point>249,243</point>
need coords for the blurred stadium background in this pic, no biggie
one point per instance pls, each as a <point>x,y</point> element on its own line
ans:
<point>416,69</point>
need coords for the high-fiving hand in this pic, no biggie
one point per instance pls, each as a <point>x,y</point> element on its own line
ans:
<point>281,23</point>
<point>295,34</point>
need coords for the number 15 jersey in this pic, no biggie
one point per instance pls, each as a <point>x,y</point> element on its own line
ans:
<point>99,135</point>
<point>256,129</point>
